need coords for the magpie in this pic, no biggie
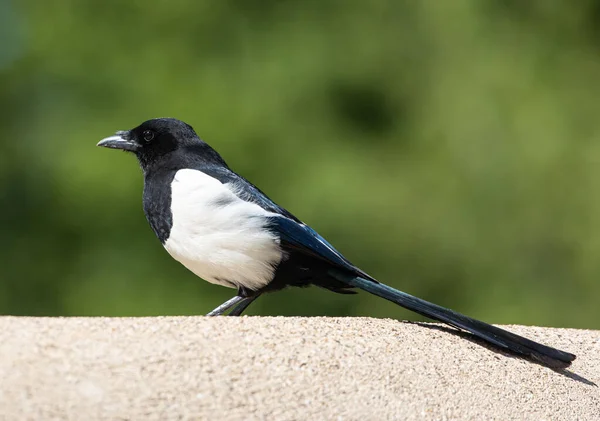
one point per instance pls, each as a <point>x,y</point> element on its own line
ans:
<point>228,232</point>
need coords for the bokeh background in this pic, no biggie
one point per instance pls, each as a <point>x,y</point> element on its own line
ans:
<point>450,149</point>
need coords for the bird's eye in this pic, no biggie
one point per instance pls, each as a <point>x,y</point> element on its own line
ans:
<point>148,135</point>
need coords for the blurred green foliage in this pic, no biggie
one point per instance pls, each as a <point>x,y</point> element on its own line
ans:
<point>450,149</point>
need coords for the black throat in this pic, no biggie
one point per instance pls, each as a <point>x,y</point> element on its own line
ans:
<point>157,202</point>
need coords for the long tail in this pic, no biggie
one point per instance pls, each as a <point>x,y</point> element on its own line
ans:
<point>544,354</point>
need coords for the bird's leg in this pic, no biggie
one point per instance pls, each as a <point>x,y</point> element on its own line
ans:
<point>243,305</point>
<point>241,301</point>
<point>226,306</point>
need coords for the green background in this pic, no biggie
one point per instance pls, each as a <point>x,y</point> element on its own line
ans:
<point>449,148</point>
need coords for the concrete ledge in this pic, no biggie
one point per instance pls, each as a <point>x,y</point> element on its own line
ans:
<point>254,368</point>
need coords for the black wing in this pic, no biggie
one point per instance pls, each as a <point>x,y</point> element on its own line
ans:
<point>294,234</point>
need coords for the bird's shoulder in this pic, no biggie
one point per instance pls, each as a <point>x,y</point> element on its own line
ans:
<point>295,236</point>
<point>246,191</point>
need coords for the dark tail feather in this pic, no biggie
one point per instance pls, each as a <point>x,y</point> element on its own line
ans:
<point>549,356</point>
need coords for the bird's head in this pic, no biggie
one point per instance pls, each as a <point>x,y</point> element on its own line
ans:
<point>157,139</point>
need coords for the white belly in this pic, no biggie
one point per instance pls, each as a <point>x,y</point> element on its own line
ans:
<point>217,235</point>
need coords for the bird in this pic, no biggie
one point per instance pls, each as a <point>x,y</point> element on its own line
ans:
<point>228,232</point>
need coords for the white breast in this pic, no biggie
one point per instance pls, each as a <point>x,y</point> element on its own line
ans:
<point>217,235</point>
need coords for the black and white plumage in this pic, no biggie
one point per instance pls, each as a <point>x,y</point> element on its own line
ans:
<point>226,231</point>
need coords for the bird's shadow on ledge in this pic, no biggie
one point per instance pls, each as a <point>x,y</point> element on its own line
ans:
<point>465,335</point>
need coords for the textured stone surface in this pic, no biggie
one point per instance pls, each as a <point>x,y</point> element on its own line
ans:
<point>254,368</point>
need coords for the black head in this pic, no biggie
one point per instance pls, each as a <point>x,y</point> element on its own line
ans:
<point>159,140</point>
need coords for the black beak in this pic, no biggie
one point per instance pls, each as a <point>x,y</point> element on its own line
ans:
<point>121,140</point>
